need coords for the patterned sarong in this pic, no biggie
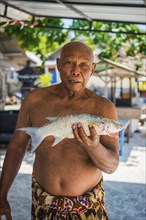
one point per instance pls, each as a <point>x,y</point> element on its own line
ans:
<point>88,206</point>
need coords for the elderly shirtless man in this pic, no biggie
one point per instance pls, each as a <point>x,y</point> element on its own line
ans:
<point>67,178</point>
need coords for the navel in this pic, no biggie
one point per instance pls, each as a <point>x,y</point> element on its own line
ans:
<point>61,183</point>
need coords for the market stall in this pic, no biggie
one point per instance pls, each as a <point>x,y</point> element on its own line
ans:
<point>123,93</point>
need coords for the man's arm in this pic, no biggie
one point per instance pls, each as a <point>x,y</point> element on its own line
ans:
<point>103,150</point>
<point>14,156</point>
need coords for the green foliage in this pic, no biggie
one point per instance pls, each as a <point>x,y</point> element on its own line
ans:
<point>41,39</point>
<point>37,38</point>
<point>44,80</point>
<point>110,42</point>
<point>142,86</point>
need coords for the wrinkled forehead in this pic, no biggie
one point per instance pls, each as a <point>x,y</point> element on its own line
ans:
<point>77,49</point>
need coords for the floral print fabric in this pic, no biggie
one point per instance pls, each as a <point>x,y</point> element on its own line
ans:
<point>89,206</point>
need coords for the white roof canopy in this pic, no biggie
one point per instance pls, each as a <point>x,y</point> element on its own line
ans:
<point>125,11</point>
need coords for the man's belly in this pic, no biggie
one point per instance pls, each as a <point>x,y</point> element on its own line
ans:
<point>68,185</point>
<point>66,171</point>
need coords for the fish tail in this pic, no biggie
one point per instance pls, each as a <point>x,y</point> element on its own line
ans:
<point>36,138</point>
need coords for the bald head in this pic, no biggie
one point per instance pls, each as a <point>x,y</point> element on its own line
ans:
<point>76,46</point>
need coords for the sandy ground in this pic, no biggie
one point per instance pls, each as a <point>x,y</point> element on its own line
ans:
<point>125,188</point>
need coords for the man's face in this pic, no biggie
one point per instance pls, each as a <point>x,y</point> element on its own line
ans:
<point>75,67</point>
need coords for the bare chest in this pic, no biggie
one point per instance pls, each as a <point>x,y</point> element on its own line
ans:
<point>57,108</point>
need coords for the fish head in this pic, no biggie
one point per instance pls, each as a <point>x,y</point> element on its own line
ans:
<point>112,126</point>
<point>106,126</point>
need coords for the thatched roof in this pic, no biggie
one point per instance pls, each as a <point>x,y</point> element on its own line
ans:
<point>112,69</point>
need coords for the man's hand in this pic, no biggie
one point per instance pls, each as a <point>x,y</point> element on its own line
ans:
<point>80,135</point>
<point>5,209</point>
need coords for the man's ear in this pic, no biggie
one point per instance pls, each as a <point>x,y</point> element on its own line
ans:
<point>93,68</point>
<point>58,64</point>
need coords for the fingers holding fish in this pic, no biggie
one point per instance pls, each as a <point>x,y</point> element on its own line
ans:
<point>93,132</point>
<point>82,134</point>
<point>82,137</point>
<point>75,129</point>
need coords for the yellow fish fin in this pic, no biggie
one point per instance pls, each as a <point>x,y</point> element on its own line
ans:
<point>91,123</point>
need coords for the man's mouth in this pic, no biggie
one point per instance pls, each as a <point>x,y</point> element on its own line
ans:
<point>74,81</point>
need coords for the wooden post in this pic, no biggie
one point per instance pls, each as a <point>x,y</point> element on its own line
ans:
<point>130,88</point>
<point>121,88</point>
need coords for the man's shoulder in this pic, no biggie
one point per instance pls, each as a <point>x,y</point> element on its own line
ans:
<point>103,103</point>
<point>104,99</point>
<point>41,92</point>
<point>37,92</point>
<point>107,108</point>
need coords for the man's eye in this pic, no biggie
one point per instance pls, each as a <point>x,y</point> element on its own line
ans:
<point>69,62</point>
<point>84,65</point>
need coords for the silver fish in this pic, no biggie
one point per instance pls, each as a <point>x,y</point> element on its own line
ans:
<point>61,127</point>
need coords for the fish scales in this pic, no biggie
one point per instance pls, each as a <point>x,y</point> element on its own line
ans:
<point>61,127</point>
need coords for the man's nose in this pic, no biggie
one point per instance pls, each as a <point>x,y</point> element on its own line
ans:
<point>75,70</point>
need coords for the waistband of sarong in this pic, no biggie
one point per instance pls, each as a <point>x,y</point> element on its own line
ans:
<point>72,204</point>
